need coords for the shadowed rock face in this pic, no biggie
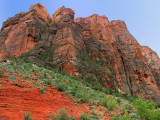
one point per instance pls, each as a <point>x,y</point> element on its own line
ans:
<point>90,47</point>
<point>124,59</point>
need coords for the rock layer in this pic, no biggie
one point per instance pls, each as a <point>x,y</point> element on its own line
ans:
<point>93,48</point>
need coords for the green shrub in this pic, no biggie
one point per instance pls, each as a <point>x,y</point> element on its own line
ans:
<point>127,107</point>
<point>116,117</point>
<point>27,75</point>
<point>13,78</point>
<point>10,71</point>
<point>27,116</point>
<point>119,100</point>
<point>52,116</point>
<point>144,108</point>
<point>154,115</point>
<point>60,87</point>
<point>1,74</point>
<point>109,102</point>
<point>47,82</point>
<point>42,90</point>
<point>85,97</point>
<point>37,83</point>
<point>73,90</point>
<point>126,117</point>
<point>62,115</point>
<point>134,116</point>
<point>84,117</point>
<point>91,107</point>
<point>78,95</point>
<point>158,106</point>
<point>93,116</point>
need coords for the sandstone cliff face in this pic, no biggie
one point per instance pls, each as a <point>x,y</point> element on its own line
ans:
<point>153,62</point>
<point>67,42</point>
<point>138,74</point>
<point>91,47</point>
<point>123,59</point>
<point>20,33</point>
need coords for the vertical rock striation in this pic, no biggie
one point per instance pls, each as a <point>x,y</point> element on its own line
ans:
<point>20,33</point>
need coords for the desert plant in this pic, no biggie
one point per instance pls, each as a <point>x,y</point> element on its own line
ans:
<point>158,106</point>
<point>91,107</point>
<point>85,97</point>
<point>127,107</point>
<point>62,115</point>
<point>1,74</point>
<point>13,78</point>
<point>109,102</point>
<point>60,87</point>
<point>48,82</point>
<point>84,117</point>
<point>116,117</point>
<point>144,108</point>
<point>134,116</point>
<point>27,116</point>
<point>154,115</point>
<point>119,100</point>
<point>93,116</point>
<point>10,71</point>
<point>37,83</point>
<point>25,89</point>
<point>52,116</point>
<point>42,90</point>
<point>126,117</point>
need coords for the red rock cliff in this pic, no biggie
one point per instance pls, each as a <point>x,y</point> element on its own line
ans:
<point>91,47</point>
<point>19,34</point>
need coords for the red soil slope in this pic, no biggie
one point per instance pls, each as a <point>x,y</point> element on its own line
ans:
<point>20,97</point>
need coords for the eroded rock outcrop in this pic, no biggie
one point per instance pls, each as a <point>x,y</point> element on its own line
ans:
<point>125,64</point>
<point>93,48</point>
<point>138,74</point>
<point>153,62</point>
<point>67,42</point>
<point>20,33</point>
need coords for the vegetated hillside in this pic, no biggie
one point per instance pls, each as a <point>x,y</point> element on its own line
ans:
<point>96,58</point>
<point>28,91</point>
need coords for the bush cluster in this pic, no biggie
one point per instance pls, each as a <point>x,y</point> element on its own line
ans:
<point>12,78</point>
<point>27,116</point>
<point>1,74</point>
<point>146,109</point>
<point>93,116</point>
<point>109,102</point>
<point>62,115</point>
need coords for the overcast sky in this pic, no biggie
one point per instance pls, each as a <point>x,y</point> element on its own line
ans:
<point>142,17</point>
